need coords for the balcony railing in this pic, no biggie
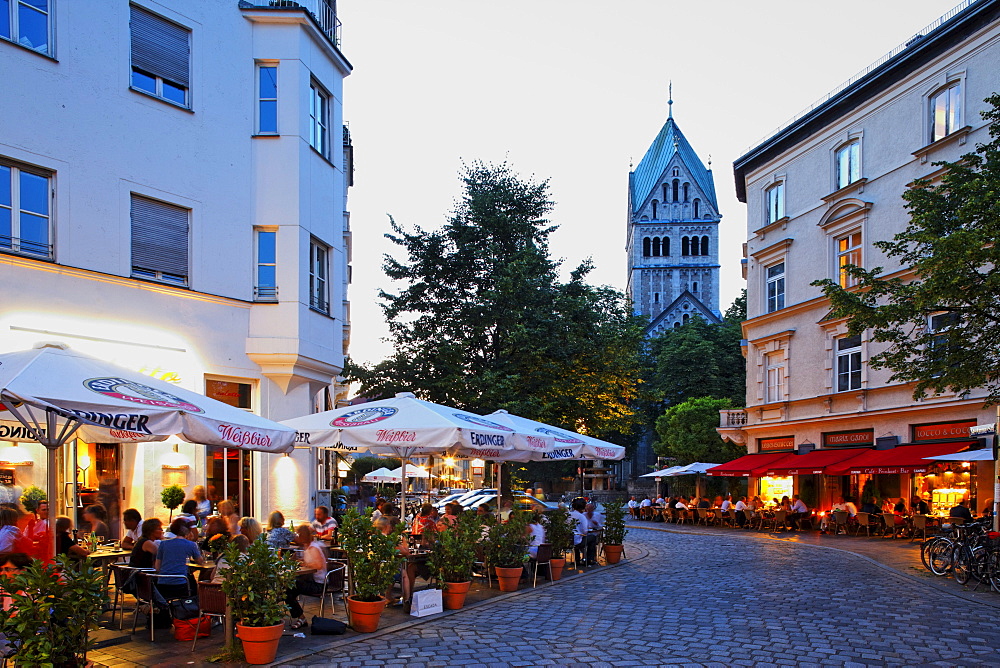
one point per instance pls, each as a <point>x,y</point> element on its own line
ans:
<point>324,11</point>
<point>732,419</point>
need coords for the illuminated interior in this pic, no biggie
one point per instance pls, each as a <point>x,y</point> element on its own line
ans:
<point>775,488</point>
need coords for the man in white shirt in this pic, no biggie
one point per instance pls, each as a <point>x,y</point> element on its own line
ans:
<point>584,542</point>
<point>726,504</point>
<point>852,510</point>
<point>644,506</point>
<point>633,508</point>
<point>799,511</point>
<point>133,525</point>
<point>741,505</point>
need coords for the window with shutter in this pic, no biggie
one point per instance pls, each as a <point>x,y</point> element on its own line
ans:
<point>161,56</point>
<point>159,241</point>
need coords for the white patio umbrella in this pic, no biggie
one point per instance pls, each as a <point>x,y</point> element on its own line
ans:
<point>696,468</point>
<point>567,444</point>
<point>381,474</point>
<point>407,427</point>
<point>411,472</point>
<point>661,473</point>
<point>968,456</point>
<point>52,393</point>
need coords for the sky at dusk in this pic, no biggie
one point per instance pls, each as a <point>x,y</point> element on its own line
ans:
<point>575,91</point>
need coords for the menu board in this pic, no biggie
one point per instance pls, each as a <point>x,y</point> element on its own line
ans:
<point>6,476</point>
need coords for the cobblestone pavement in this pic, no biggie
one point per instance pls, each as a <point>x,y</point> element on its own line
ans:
<point>725,600</point>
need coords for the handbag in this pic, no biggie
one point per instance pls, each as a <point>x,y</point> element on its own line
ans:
<point>324,626</point>
<point>426,602</point>
<point>185,629</point>
<point>184,608</point>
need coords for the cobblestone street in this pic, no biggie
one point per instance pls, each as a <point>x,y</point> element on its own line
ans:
<point>704,599</point>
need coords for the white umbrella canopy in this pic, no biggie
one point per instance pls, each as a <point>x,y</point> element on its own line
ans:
<point>690,469</point>
<point>380,475</point>
<point>567,444</point>
<point>662,472</point>
<point>985,455</point>
<point>51,394</point>
<point>411,472</point>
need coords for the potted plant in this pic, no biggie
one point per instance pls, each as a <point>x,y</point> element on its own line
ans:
<point>255,585</point>
<point>559,533</point>
<point>507,550</point>
<point>32,497</point>
<point>453,557</point>
<point>55,606</point>
<point>374,560</point>
<point>172,497</point>
<point>614,531</point>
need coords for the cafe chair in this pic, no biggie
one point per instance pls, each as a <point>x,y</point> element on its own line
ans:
<point>124,578</point>
<point>481,567</point>
<point>864,521</point>
<point>919,526</point>
<point>805,518</point>
<point>543,557</point>
<point>891,528</point>
<point>839,521</point>
<point>148,598</point>
<point>702,516</point>
<point>333,586</point>
<point>727,518</point>
<point>211,603</point>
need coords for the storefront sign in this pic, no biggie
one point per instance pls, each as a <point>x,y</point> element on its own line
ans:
<point>940,432</point>
<point>772,444</point>
<point>6,476</point>
<point>849,438</point>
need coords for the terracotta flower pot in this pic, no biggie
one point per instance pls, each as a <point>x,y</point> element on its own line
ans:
<point>453,596</point>
<point>556,567</point>
<point>613,553</point>
<point>509,578</point>
<point>365,615</point>
<point>260,643</point>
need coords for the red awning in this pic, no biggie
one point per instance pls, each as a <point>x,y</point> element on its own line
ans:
<point>817,461</point>
<point>744,465</point>
<point>901,459</point>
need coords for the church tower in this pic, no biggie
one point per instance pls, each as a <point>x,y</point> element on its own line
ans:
<point>673,233</point>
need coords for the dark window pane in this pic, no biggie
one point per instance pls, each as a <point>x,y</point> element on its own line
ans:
<point>174,93</point>
<point>4,185</point>
<point>33,28</point>
<point>265,247</point>
<point>5,230</point>
<point>34,234</point>
<point>265,276</point>
<point>268,82</point>
<point>5,18</point>
<point>849,342</point>
<point>37,4</point>
<point>34,193</point>
<point>268,116</point>
<point>143,81</point>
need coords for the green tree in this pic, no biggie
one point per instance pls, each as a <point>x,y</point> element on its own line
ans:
<point>951,250</point>
<point>687,433</point>
<point>483,321</point>
<point>699,359</point>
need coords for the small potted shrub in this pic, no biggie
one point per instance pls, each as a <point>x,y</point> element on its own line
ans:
<point>255,586</point>
<point>558,532</point>
<point>172,497</point>
<point>507,550</point>
<point>55,607</point>
<point>453,557</point>
<point>32,497</point>
<point>614,531</point>
<point>374,562</point>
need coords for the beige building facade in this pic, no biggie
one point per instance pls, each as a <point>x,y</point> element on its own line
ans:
<point>818,194</point>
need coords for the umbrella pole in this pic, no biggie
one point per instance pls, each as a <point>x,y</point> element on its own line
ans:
<point>50,474</point>
<point>402,492</point>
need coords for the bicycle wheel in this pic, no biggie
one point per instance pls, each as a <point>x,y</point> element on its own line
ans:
<point>993,570</point>
<point>925,550</point>
<point>940,557</point>
<point>963,566</point>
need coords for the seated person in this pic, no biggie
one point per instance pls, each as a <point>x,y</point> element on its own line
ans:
<point>216,526</point>
<point>536,533</point>
<point>799,511</point>
<point>250,527</point>
<point>408,574</point>
<point>961,510</point>
<point>145,549</point>
<point>278,535</point>
<point>11,565</point>
<point>704,503</point>
<point>189,512</point>
<point>310,584</point>
<point>450,517</point>
<point>133,528</point>
<point>96,516</point>
<point>219,573</point>
<point>65,544</point>
<point>172,557</point>
<point>324,525</point>
<point>870,507</point>
<point>11,538</point>
<point>919,507</point>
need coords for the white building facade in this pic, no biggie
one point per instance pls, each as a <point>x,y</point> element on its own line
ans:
<point>173,180</point>
<point>818,194</point>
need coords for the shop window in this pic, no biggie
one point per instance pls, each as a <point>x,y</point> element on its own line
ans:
<point>775,284</point>
<point>849,363</point>
<point>848,254</point>
<point>236,394</point>
<point>228,475</point>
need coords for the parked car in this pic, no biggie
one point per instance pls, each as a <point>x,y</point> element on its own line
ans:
<point>522,501</point>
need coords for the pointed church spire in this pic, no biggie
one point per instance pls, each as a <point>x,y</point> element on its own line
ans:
<point>670,100</point>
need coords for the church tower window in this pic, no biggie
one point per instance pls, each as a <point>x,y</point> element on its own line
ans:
<point>694,286</point>
<point>655,204</point>
<point>687,187</point>
<point>656,297</point>
<point>665,246</point>
<point>677,172</point>
<point>666,192</point>
<point>697,207</point>
<point>704,245</point>
<point>647,247</point>
<point>676,187</point>
<point>685,246</point>
<point>656,246</point>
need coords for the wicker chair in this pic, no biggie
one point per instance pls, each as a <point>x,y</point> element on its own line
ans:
<point>211,603</point>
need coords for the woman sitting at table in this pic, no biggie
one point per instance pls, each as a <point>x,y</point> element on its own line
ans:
<point>227,511</point>
<point>172,560</point>
<point>204,506</point>
<point>11,538</point>
<point>216,526</point>
<point>95,515</point>
<point>219,572</point>
<point>536,534</point>
<point>250,528</point>
<point>426,521</point>
<point>408,573</point>
<point>450,516</point>
<point>145,549</point>
<point>189,512</point>
<point>65,544</point>
<point>278,536</point>
<point>310,584</point>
